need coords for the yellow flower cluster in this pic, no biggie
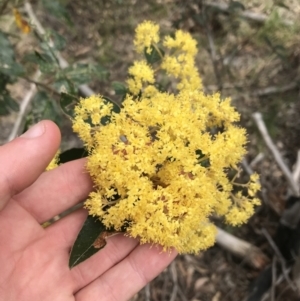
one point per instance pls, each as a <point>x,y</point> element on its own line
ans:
<point>141,73</point>
<point>54,162</point>
<point>159,166</point>
<point>181,63</point>
<point>146,34</point>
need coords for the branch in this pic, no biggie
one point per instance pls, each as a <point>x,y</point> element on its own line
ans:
<point>257,159</point>
<point>256,17</point>
<point>85,90</point>
<point>280,258</point>
<point>3,7</point>
<point>42,85</point>
<point>291,216</point>
<point>23,109</point>
<point>275,89</point>
<point>212,52</point>
<point>240,248</point>
<point>247,167</point>
<point>277,282</point>
<point>173,272</point>
<point>147,292</point>
<point>264,132</point>
<point>296,171</point>
<point>274,272</point>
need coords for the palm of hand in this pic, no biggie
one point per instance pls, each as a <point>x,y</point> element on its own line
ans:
<point>34,260</point>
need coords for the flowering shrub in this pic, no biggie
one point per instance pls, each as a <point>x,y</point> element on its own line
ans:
<point>160,165</point>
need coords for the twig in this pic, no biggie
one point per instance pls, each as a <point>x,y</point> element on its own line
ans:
<point>278,281</point>
<point>291,216</point>
<point>264,132</point>
<point>173,272</point>
<point>275,89</point>
<point>147,292</point>
<point>164,288</point>
<point>273,279</point>
<point>23,109</point>
<point>212,52</point>
<point>182,295</point>
<point>84,89</point>
<point>3,6</point>
<point>256,160</point>
<point>280,258</point>
<point>256,17</point>
<point>296,171</point>
<point>228,86</point>
<point>247,167</point>
<point>37,83</point>
<point>252,254</point>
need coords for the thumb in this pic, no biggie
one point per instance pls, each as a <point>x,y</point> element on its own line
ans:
<point>25,158</point>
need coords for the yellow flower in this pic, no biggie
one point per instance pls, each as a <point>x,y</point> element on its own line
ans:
<point>147,173</point>
<point>54,162</point>
<point>141,73</point>
<point>160,166</point>
<point>182,41</point>
<point>146,34</point>
<point>254,185</point>
<point>181,64</point>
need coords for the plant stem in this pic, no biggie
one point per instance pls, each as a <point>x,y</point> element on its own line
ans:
<point>46,87</point>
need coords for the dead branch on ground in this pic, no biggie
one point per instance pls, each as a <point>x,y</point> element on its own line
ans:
<point>285,170</point>
<point>242,249</point>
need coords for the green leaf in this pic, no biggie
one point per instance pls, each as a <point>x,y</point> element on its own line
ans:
<point>67,103</point>
<point>11,103</point>
<point>8,65</point>
<point>7,53</point>
<point>91,239</point>
<point>116,107</point>
<point>4,80</point>
<point>119,88</point>
<point>72,154</point>
<point>58,40</point>
<point>44,107</point>
<point>99,72</point>
<point>106,119</point>
<point>3,109</point>
<point>56,9</point>
<point>62,84</point>
<point>11,69</point>
<point>154,56</point>
<point>45,61</point>
<point>200,19</point>
<point>203,162</point>
<point>235,6</point>
<point>81,74</point>
<point>281,3</point>
<point>43,57</point>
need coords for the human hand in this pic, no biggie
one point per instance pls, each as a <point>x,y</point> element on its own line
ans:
<point>34,260</point>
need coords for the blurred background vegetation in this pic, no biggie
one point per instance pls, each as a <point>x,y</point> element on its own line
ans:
<point>248,50</point>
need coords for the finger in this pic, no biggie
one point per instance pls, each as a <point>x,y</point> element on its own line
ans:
<point>25,158</point>
<point>56,190</point>
<point>116,249</point>
<point>64,233</point>
<point>126,278</point>
<point>65,230</point>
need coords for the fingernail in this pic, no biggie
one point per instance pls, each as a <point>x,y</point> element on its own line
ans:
<point>35,131</point>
